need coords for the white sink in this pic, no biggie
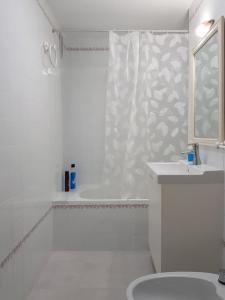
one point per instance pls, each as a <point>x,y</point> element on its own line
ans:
<point>180,172</point>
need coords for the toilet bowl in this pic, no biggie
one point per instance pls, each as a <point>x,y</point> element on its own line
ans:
<point>177,286</point>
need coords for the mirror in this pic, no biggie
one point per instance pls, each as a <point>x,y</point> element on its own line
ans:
<point>208,88</point>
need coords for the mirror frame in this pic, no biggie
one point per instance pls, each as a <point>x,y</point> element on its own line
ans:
<point>217,27</point>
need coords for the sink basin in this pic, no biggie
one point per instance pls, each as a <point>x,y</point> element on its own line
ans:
<point>181,172</point>
<point>176,286</point>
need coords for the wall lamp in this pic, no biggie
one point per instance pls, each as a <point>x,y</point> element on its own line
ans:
<point>204,27</point>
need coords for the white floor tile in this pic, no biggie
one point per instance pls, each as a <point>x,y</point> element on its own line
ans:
<point>95,275</point>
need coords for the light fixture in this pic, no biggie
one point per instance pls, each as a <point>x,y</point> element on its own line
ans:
<point>204,27</point>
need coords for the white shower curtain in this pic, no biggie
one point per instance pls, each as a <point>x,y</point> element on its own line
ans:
<point>146,107</point>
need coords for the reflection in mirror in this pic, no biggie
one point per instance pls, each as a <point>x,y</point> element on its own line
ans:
<point>206,122</point>
<point>206,102</point>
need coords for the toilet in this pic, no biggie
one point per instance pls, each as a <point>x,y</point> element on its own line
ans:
<point>177,286</point>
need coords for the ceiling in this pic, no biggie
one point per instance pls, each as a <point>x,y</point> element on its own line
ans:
<point>121,14</point>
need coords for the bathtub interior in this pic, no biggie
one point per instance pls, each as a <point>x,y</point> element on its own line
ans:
<point>97,193</point>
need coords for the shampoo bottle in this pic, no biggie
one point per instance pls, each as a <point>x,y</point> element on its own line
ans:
<point>72,178</point>
<point>190,157</point>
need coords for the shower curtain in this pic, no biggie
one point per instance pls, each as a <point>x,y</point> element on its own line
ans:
<point>146,107</point>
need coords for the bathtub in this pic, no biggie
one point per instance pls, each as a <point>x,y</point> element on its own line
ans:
<point>93,219</point>
<point>95,194</point>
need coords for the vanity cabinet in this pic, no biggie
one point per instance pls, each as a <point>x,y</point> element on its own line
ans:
<point>186,225</point>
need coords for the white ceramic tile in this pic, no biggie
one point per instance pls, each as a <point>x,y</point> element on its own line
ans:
<point>83,108</point>
<point>30,142</point>
<point>100,229</point>
<point>102,275</point>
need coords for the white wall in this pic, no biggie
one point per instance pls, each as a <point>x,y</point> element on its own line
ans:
<point>201,10</point>
<point>30,141</point>
<point>84,80</point>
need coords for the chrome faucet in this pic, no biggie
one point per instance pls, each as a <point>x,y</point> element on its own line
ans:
<point>197,160</point>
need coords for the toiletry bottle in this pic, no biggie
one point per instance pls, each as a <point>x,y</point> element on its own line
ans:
<point>72,178</point>
<point>190,157</point>
<point>67,181</point>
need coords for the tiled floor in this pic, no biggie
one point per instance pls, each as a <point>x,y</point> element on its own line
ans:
<point>90,275</point>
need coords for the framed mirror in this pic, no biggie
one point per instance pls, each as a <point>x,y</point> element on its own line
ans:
<point>207,105</point>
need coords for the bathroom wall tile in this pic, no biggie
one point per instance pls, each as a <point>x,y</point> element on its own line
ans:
<point>84,109</point>
<point>102,229</point>
<point>30,142</point>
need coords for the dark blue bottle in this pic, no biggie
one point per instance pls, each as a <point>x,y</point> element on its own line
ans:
<point>72,178</point>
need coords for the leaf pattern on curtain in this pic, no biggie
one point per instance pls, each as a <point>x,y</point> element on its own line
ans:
<point>146,107</point>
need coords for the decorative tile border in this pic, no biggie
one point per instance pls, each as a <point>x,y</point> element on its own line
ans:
<point>23,240</point>
<point>98,206</point>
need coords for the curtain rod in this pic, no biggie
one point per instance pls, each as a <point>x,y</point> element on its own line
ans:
<point>86,49</point>
<point>117,30</point>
